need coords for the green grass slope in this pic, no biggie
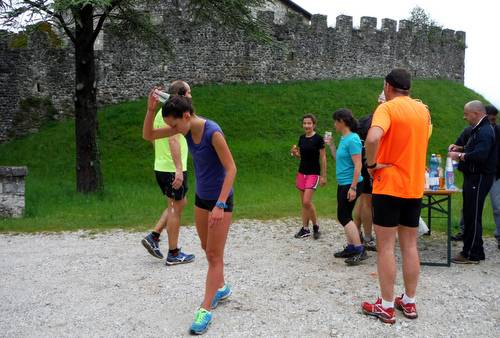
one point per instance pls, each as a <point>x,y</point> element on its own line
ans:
<point>261,122</point>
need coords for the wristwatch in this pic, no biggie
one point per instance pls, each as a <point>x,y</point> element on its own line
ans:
<point>371,166</point>
<point>461,156</point>
<point>221,205</point>
<point>353,188</point>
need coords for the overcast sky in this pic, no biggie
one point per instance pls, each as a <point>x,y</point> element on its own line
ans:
<point>479,19</point>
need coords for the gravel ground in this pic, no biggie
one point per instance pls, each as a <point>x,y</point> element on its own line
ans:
<point>105,285</point>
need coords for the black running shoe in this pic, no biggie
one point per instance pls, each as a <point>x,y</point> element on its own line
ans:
<point>357,258</point>
<point>152,245</point>
<point>346,253</point>
<point>316,233</point>
<point>370,245</point>
<point>181,258</point>
<point>303,232</point>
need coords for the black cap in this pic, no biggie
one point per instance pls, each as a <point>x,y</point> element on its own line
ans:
<point>399,78</point>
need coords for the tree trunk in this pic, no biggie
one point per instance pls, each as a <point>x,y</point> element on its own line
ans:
<point>88,166</point>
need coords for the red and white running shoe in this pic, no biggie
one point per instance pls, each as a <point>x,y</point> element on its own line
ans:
<point>409,310</point>
<point>376,309</point>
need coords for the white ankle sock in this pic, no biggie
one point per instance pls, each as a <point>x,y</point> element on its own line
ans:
<point>408,300</point>
<point>387,304</point>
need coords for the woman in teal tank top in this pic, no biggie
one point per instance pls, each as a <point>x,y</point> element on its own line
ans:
<point>348,173</point>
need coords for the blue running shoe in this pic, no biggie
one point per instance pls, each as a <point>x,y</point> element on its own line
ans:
<point>152,245</point>
<point>202,320</point>
<point>181,258</point>
<point>222,294</point>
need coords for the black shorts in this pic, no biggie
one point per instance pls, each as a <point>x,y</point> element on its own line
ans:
<point>390,211</point>
<point>367,181</point>
<point>344,206</point>
<point>210,204</point>
<point>165,181</point>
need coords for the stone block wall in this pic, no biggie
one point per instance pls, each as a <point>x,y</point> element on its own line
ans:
<point>9,95</point>
<point>127,68</point>
<point>299,52</point>
<point>41,77</point>
<point>12,190</point>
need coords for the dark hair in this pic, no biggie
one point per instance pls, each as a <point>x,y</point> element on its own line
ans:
<point>309,116</point>
<point>345,115</point>
<point>178,87</point>
<point>399,79</point>
<point>176,106</point>
<point>491,110</point>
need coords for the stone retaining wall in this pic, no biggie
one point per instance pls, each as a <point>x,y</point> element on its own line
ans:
<point>12,190</point>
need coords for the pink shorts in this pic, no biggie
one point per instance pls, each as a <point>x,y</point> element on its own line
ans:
<point>304,182</point>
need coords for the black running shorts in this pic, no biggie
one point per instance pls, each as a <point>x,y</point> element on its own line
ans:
<point>210,204</point>
<point>390,211</point>
<point>344,206</point>
<point>165,181</point>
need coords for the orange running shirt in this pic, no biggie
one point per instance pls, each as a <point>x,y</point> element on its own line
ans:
<point>404,146</point>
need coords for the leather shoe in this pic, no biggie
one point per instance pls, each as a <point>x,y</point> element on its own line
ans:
<point>460,259</point>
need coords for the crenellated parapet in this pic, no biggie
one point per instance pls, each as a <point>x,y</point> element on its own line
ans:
<point>319,23</point>
<point>343,24</point>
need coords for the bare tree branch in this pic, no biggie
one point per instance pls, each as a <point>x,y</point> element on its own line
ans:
<point>103,18</point>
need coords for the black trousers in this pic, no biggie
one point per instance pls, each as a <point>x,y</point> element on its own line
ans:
<point>476,187</point>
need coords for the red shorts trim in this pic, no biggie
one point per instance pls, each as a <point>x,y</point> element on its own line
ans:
<point>303,182</point>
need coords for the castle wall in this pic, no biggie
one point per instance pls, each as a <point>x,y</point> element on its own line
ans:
<point>127,68</point>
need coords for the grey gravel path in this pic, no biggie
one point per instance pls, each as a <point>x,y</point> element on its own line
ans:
<point>106,285</point>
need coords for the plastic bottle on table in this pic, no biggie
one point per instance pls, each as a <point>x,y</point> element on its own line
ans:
<point>426,180</point>
<point>450,175</point>
<point>442,183</point>
<point>433,173</point>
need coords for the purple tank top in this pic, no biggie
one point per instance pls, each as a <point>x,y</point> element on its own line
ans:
<point>208,169</point>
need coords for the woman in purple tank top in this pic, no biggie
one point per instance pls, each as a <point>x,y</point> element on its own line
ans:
<point>215,171</point>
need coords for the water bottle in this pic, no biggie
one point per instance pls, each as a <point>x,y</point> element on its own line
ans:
<point>433,173</point>
<point>161,96</point>
<point>450,175</point>
<point>426,180</point>
<point>328,136</point>
<point>442,183</point>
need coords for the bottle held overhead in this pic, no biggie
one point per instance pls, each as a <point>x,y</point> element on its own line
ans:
<point>161,96</point>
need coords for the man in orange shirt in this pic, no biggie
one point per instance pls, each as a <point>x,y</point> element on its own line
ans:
<point>396,148</point>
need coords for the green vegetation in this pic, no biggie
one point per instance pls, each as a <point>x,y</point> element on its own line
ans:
<point>261,123</point>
